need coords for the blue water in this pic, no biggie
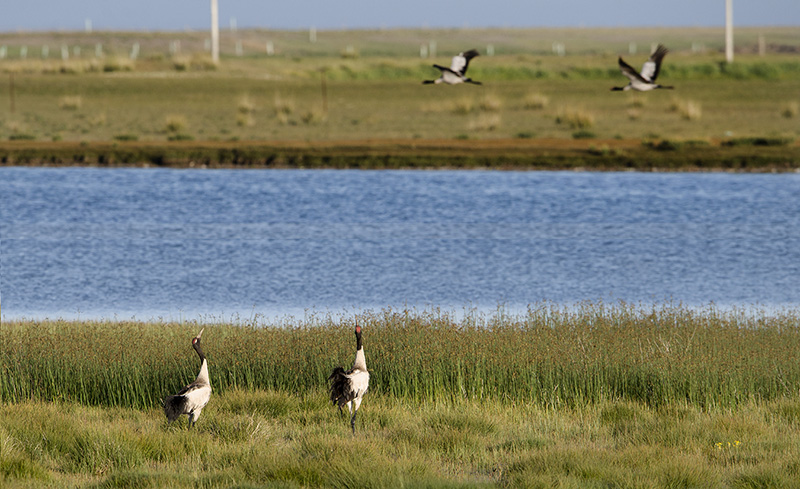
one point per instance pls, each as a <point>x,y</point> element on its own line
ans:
<point>147,243</point>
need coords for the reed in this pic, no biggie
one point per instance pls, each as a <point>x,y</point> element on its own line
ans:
<point>550,356</point>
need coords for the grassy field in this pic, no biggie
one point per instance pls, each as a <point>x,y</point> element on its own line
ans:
<point>590,396</point>
<point>276,439</point>
<point>365,85</point>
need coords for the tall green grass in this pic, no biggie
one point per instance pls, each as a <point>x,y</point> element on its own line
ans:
<point>549,356</point>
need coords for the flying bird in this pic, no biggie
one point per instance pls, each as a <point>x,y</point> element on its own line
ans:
<point>348,387</point>
<point>458,69</point>
<point>193,398</point>
<point>646,79</point>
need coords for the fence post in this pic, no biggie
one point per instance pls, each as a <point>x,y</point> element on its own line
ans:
<point>214,31</point>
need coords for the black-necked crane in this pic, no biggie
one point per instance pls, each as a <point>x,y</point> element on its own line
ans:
<point>348,387</point>
<point>646,79</point>
<point>457,71</point>
<point>193,398</point>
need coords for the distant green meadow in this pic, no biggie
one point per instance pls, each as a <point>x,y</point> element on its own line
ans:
<point>366,85</point>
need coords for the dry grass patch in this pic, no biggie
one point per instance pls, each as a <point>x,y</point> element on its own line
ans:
<point>535,101</point>
<point>175,123</point>
<point>791,110</point>
<point>314,116</point>
<point>687,109</point>
<point>485,122</point>
<point>245,120</point>
<point>490,103</point>
<point>463,105</point>
<point>283,105</point>
<point>575,118</point>
<point>70,102</point>
<point>245,105</point>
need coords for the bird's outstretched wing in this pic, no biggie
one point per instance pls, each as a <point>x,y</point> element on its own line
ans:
<point>444,69</point>
<point>631,73</point>
<point>461,61</point>
<point>653,65</point>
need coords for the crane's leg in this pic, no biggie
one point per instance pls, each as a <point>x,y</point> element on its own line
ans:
<point>194,416</point>
<point>356,405</point>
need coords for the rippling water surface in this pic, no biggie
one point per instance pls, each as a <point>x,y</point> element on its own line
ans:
<point>145,243</point>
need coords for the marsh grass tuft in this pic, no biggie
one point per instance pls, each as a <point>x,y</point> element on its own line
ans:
<point>70,102</point>
<point>535,101</point>
<point>175,123</point>
<point>282,105</point>
<point>689,110</point>
<point>485,122</point>
<point>791,110</point>
<point>575,118</point>
<point>490,103</point>
<point>463,105</point>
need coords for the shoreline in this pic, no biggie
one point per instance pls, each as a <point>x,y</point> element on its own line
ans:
<point>758,154</point>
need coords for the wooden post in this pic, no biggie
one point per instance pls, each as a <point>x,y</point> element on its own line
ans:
<point>729,31</point>
<point>214,31</point>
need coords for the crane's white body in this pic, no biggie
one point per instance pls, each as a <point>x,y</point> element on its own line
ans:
<point>359,381</point>
<point>644,80</point>
<point>457,72</point>
<point>197,394</point>
<point>348,387</point>
<point>192,398</point>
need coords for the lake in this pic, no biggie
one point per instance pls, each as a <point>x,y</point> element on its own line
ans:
<point>228,244</point>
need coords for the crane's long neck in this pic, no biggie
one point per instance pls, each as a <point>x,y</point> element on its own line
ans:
<point>203,375</point>
<point>361,360</point>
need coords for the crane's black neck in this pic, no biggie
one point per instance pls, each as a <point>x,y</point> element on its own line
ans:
<point>196,346</point>
<point>358,340</point>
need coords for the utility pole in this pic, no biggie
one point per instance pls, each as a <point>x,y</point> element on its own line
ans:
<point>729,31</point>
<point>214,31</point>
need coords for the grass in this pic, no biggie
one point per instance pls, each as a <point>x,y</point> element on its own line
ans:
<point>548,357</point>
<point>378,95</point>
<point>589,396</point>
<point>276,439</point>
<point>269,111</point>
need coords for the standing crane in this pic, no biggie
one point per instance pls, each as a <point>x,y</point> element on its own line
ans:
<point>193,398</point>
<point>348,387</point>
